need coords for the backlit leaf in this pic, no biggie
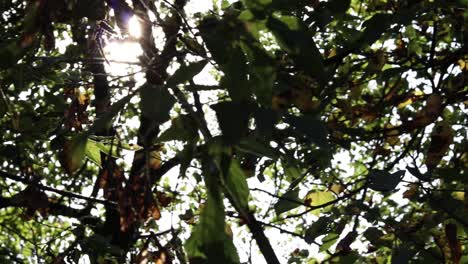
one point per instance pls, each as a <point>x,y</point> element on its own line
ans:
<point>319,198</point>
<point>73,153</point>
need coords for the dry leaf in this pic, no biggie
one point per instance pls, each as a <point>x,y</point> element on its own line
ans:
<point>441,138</point>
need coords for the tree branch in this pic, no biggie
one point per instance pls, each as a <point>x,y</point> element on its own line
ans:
<point>69,194</point>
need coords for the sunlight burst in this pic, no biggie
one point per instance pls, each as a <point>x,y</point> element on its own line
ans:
<point>134,27</point>
<point>124,52</point>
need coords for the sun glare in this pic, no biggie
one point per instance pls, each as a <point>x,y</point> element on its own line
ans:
<point>134,27</point>
<point>122,53</point>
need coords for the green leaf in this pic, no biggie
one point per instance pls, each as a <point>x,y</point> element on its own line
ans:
<point>186,156</point>
<point>216,37</point>
<point>261,70</point>
<point>383,181</point>
<point>236,182</point>
<point>209,242</point>
<point>93,152</point>
<point>294,175</point>
<point>328,241</point>
<point>232,121</point>
<point>286,201</point>
<point>186,73</point>
<point>327,11</point>
<point>194,46</point>
<point>102,244</point>
<point>374,236</point>
<point>156,102</point>
<point>315,198</point>
<point>73,153</point>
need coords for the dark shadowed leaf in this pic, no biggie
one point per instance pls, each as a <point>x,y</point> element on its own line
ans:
<point>265,120</point>
<point>235,79</point>
<point>255,146</point>
<point>105,120</point>
<point>317,228</point>
<point>186,73</point>
<point>374,27</point>
<point>156,102</point>
<point>383,181</point>
<point>402,254</point>
<point>295,39</point>
<point>313,129</point>
<point>232,120</point>
<point>416,173</point>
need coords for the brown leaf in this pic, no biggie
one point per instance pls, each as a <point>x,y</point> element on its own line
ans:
<point>27,39</point>
<point>163,199</point>
<point>392,135</point>
<point>441,138</point>
<point>411,192</point>
<point>429,113</point>
<point>345,243</point>
<point>154,213</point>
<point>337,188</point>
<point>154,160</point>
<point>33,200</point>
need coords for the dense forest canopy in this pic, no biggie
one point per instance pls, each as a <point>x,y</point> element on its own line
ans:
<point>331,131</point>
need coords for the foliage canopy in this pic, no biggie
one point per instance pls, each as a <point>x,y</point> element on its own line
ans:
<point>338,126</point>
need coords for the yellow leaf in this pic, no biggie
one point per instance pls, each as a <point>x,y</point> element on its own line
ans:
<point>83,98</point>
<point>337,188</point>
<point>332,53</point>
<point>405,103</point>
<point>459,195</point>
<point>418,92</point>
<point>463,64</point>
<point>320,198</point>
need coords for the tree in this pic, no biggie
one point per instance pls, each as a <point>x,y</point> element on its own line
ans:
<point>338,123</point>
